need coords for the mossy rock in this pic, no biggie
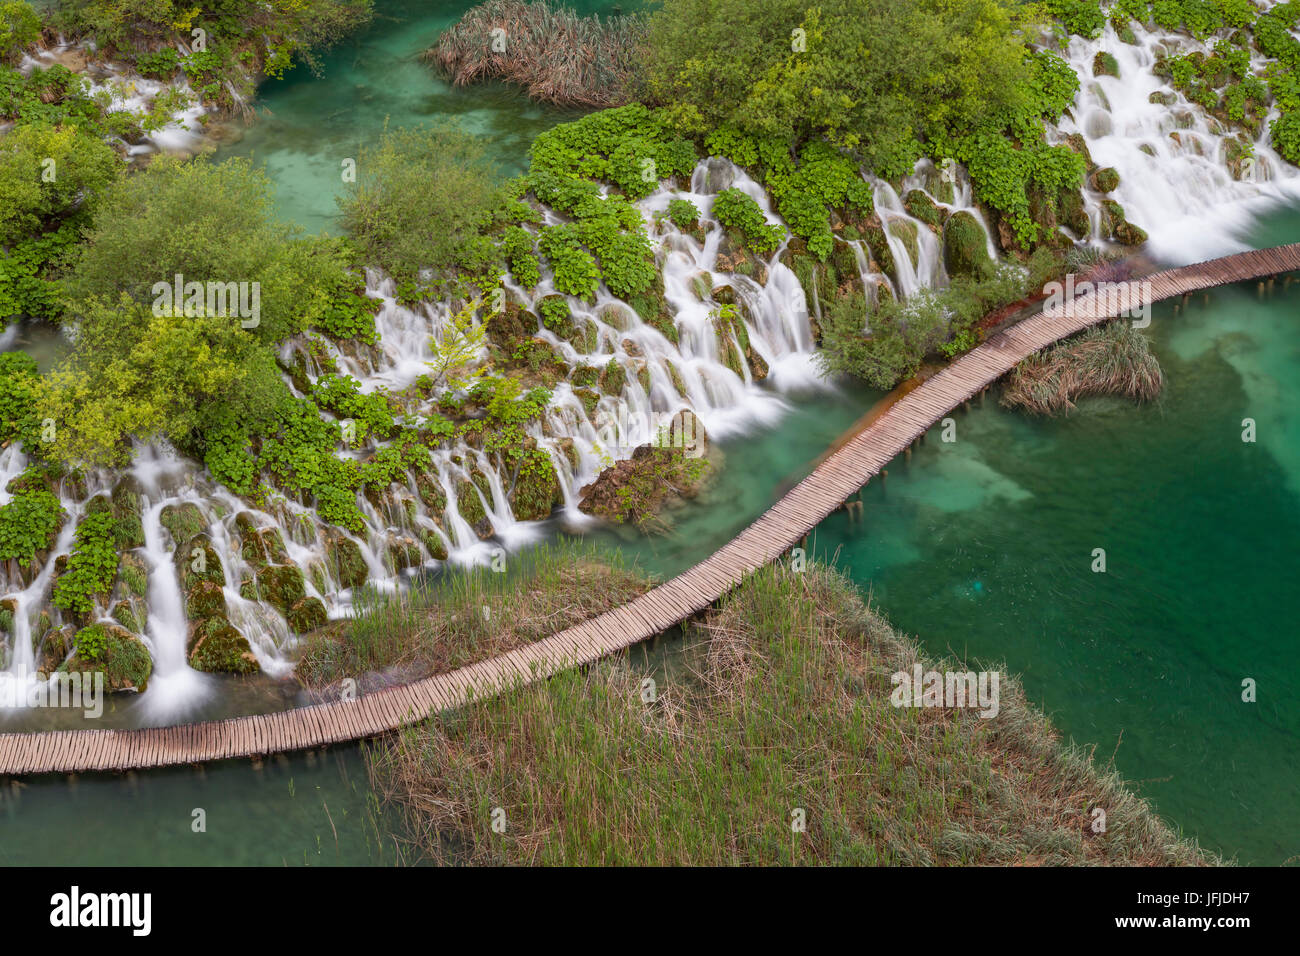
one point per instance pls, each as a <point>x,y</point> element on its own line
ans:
<point>218,648</point>
<point>589,397</point>
<point>1126,35</point>
<point>55,647</point>
<point>198,561</point>
<point>345,561</point>
<point>904,230</point>
<point>1163,98</point>
<point>676,378</point>
<point>132,614</point>
<point>469,504</point>
<point>1071,212</point>
<point>1077,143</point>
<point>725,294</point>
<point>403,553</point>
<point>585,376</point>
<point>115,652</point>
<point>537,489</point>
<point>1104,64</point>
<point>965,252</point>
<point>431,493</point>
<point>585,337</point>
<point>204,599</point>
<point>307,615</point>
<point>507,328</point>
<point>434,544</point>
<point>921,206</point>
<point>643,378</point>
<point>133,573</point>
<point>880,251</point>
<point>1129,234</point>
<point>613,378</point>
<point>259,546</point>
<point>128,529</point>
<point>184,521</point>
<point>1105,180</point>
<point>281,585</point>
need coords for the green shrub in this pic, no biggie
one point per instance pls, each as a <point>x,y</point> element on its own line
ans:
<point>735,209</point>
<point>92,565</point>
<point>683,213</point>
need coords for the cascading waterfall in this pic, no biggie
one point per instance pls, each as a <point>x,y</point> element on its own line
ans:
<point>1172,160</point>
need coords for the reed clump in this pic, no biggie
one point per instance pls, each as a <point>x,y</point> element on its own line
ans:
<point>467,616</point>
<point>784,719</point>
<point>558,56</point>
<point>1114,359</point>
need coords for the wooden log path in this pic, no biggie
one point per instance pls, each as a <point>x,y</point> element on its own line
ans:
<point>840,475</point>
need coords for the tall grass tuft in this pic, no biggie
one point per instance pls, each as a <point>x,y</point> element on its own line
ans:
<point>1112,360</point>
<point>468,615</point>
<point>787,709</point>
<point>558,56</point>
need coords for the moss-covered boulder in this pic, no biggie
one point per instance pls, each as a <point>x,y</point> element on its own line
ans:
<point>216,647</point>
<point>114,651</point>
<point>132,614</point>
<point>259,546</point>
<point>1104,64</point>
<point>965,251</point>
<point>204,599</point>
<point>1071,212</point>
<point>280,585</point>
<point>55,647</point>
<point>434,544</point>
<point>344,561</point>
<point>133,574</point>
<point>183,521</point>
<point>128,528</point>
<point>471,508</point>
<point>536,489</point>
<point>1105,180</point>
<point>198,561</point>
<point>402,552</point>
<point>307,615</point>
<point>612,378</point>
<point>921,206</point>
<point>1116,226</point>
<point>880,251</point>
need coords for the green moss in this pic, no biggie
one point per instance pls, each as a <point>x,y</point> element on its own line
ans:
<point>281,585</point>
<point>307,615</point>
<point>469,504</point>
<point>1106,179</point>
<point>184,521</point>
<point>1104,64</point>
<point>880,252</point>
<point>965,252</point>
<point>119,655</point>
<point>198,561</point>
<point>905,231</point>
<point>921,206</point>
<point>217,648</point>
<point>204,599</point>
<point>537,489</point>
<point>345,561</point>
<point>613,378</point>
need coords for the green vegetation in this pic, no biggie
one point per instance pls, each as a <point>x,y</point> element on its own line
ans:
<point>439,627</point>
<point>419,202</point>
<point>20,25</point>
<point>557,55</point>
<point>241,40</point>
<point>1114,359</point>
<point>737,210</point>
<point>785,706</point>
<point>92,566</point>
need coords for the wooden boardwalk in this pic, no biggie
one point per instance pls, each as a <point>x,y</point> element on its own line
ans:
<point>840,475</point>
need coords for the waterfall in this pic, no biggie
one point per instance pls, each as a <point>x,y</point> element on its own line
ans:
<point>1178,189</point>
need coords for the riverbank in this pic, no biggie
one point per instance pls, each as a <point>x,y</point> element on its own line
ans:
<point>781,746</point>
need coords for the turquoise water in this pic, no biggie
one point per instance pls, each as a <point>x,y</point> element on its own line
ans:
<point>984,548</point>
<point>308,125</point>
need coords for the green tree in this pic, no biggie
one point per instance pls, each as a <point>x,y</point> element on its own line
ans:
<point>420,201</point>
<point>873,76</point>
<point>19,26</point>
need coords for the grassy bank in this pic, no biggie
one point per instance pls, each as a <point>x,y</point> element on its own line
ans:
<point>467,616</point>
<point>788,710</point>
<point>1114,359</point>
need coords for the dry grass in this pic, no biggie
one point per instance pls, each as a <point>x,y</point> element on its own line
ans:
<point>1112,360</point>
<point>556,55</point>
<point>467,617</point>
<point>787,708</point>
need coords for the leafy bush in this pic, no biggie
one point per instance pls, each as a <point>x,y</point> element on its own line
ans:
<point>683,213</point>
<point>19,26</point>
<point>92,566</point>
<point>735,209</point>
<point>575,269</point>
<point>19,382</point>
<point>420,198</point>
<point>29,523</point>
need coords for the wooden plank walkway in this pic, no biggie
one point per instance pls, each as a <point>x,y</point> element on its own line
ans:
<point>799,511</point>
